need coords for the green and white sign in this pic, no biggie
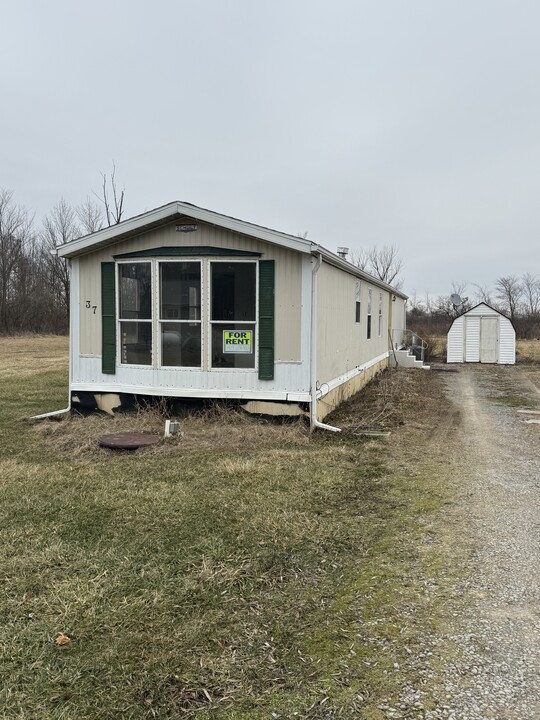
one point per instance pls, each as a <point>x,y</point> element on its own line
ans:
<point>237,341</point>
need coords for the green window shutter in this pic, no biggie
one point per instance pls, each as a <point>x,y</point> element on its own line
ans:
<point>266,319</point>
<point>108,319</point>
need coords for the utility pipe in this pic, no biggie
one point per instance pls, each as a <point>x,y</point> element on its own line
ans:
<point>313,358</point>
<point>54,412</point>
<point>71,320</point>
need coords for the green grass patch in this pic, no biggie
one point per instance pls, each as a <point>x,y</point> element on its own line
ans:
<point>270,574</point>
<point>510,400</point>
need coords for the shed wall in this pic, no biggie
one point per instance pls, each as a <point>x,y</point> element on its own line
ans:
<point>507,342</point>
<point>455,341</point>
<point>472,338</point>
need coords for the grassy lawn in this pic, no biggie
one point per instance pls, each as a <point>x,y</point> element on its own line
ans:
<point>243,570</point>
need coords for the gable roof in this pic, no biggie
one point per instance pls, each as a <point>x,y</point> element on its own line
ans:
<point>177,210</point>
<point>485,304</point>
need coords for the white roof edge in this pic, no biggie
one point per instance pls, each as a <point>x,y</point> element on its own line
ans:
<point>171,210</point>
<point>139,222</point>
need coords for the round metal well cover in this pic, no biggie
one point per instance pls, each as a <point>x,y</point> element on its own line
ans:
<point>128,440</point>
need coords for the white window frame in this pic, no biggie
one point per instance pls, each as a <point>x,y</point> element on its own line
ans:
<point>211,322</point>
<point>380,313</point>
<point>119,320</point>
<point>159,320</point>
<point>206,309</point>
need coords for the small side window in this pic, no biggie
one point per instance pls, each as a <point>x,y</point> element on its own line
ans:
<point>369,314</point>
<point>358,305</point>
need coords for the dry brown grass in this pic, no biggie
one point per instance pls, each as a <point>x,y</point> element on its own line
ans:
<point>528,351</point>
<point>220,429</point>
<point>241,570</point>
<point>25,355</point>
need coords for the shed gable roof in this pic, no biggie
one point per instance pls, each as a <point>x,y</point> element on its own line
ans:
<point>485,304</point>
<point>475,307</point>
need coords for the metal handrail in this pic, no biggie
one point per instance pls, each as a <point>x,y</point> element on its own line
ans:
<point>409,340</point>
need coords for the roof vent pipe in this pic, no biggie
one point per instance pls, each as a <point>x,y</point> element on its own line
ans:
<point>343,252</point>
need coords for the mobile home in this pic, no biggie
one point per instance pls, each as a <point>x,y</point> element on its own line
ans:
<point>188,303</point>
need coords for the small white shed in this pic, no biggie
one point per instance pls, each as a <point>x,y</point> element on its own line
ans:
<point>484,335</point>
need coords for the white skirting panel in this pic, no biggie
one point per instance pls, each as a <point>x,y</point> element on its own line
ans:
<point>291,382</point>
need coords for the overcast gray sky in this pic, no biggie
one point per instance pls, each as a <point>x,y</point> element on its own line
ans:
<point>407,122</point>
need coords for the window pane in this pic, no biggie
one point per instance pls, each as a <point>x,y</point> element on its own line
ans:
<point>181,344</point>
<point>233,291</point>
<point>233,346</point>
<point>180,291</point>
<point>135,291</point>
<point>136,343</point>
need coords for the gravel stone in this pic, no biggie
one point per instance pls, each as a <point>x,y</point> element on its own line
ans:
<point>486,664</point>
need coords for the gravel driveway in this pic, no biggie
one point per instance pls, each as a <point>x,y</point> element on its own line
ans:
<point>486,664</point>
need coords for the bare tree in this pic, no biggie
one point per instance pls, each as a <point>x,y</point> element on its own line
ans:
<point>445,303</point>
<point>531,292</point>
<point>386,263</point>
<point>383,263</point>
<point>59,227</point>
<point>90,216</point>
<point>15,236</point>
<point>508,290</point>
<point>482,294</point>
<point>360,258</point>
<point>112,199</point>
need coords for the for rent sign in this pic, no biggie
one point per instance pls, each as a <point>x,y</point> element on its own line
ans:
<point>237,341</point>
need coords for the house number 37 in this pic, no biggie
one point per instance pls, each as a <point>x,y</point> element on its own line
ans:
<point>91,307</point>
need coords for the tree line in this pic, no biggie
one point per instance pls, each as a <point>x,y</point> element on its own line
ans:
<point>516,297</point>
<point>34,281</point>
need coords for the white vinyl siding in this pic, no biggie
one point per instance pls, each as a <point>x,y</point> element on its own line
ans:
<point>455,341</point>
<point>507,342</point>
<point>342,345</point>
<point>288,282</point>
<point>472,339</point>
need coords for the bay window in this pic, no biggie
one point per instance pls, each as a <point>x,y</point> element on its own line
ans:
<point>196,313</point>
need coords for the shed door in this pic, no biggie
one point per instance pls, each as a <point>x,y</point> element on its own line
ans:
<point>489,340</point>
